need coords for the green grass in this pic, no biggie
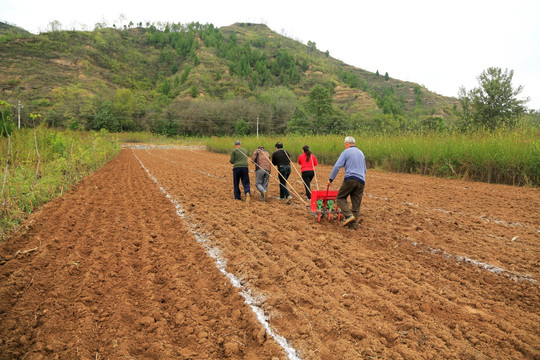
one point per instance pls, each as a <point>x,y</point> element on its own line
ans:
<point>65,158</point>
<point>506,157</point>
<point>148,138</point>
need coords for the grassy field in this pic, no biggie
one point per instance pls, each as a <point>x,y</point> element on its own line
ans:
<point>31,178</point>
<point>148,138</point>
<point>494,157</point>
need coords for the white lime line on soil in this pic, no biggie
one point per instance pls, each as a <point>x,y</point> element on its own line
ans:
<point>491,268</point>
<point>221,264</point>
<point>481,217</point>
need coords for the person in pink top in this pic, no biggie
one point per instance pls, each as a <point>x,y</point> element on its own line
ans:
<point>307,162</point>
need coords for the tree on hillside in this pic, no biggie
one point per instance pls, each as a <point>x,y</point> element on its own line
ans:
<point>194,91</point>
<point>105,119</point>
<point>165,87</point>
<point>304,65</point>
<point>418,93</point>
<point>123,107</point>
<point>373,121</point>
<point>280,103</point>
<point>6,126</point>
<point>241,127</point>
<point>350,79</point>
<point>389,102</point>
<point>299,123</point>
<point>320,101</point>
<point>324,118</point>
<point>185,74</point>
<point>54,26</point>
<point>466,118</point>
<point>495,102</point>
<point>74,107</point>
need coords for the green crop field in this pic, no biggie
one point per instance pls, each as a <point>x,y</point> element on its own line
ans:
<point>507,157</point>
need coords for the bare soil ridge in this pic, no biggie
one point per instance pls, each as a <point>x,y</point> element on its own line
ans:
<point>112,271</point>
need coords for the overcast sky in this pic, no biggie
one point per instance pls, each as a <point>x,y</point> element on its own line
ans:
<point>441,45</point>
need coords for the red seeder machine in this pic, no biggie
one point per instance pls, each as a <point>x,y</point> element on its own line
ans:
<point>323,203</point>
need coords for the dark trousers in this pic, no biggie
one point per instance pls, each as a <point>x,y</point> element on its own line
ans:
<point>284,172</point>
<point>240,173</point>
<point>354,189</point>
<point>307,176</point>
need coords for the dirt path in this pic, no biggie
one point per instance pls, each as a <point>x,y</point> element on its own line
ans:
<point>151,258</point>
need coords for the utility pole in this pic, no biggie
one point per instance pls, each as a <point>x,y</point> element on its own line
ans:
<point>257,126</point>
<point>19,107</point>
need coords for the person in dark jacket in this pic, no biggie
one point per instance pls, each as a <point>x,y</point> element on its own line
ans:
<point>239,159</point>
<point>281,160</point>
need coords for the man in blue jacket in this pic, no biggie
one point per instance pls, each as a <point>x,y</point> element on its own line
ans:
<point>354,162</point>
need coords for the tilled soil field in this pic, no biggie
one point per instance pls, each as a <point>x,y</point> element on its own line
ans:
<point>151,258</point>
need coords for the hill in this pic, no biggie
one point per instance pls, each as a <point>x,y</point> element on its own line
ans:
<point>198,79</point>
<point>7,29</point>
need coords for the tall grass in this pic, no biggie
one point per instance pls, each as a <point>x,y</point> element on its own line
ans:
<point>149,138</point>
<point>506,157</point>
<point>65,157</point>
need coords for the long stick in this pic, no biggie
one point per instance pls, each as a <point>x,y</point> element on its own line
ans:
<point>250,159</point>
<point>314,173</point>
<point>277,176</point>
<point>297,171</point>
<point>288,183</point>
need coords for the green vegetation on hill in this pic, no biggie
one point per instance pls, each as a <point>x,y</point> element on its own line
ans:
<point>197,79</point>
<point>7,31</point>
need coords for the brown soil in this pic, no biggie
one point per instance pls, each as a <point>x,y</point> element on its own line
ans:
<point>135,262</point>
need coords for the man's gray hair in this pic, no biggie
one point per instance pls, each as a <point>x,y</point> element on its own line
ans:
<point>237,142</point>
<point>350,140</point>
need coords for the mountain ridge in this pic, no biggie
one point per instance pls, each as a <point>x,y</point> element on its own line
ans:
<point>67,74</point>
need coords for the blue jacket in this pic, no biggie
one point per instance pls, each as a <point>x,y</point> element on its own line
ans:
<point>354,161</point>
